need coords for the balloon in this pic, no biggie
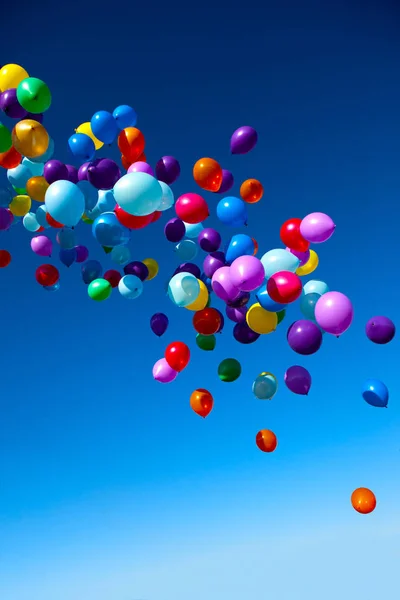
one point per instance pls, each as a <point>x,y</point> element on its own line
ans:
<point>229,370</point>
<point>6,218</point>
<point>168,198</point>
<point>251,191</point>
<point>240,300</point>
<point>30,138</point>
<point>232,211</point>
<point>209,239</point>
<point>317,228</point>
<point>307,305</point>
<point>191,208</point>
<point>67,256</point>
<point>132,221</point>
<point>302,256</point>
<point>131,143</point>
<point>104,126</point>
<point>163,373</point>
<point>207,173</point>
<point>315,287</point>
<point>141,167</point>
<point>30,222</point>
<point>202,299</point>
<point>375,393</point>
<point>72,173</point>
<point>247,273</point>
<point>81,147</point>
<point>83,171</point>
<point>41,245</point>
<point>237,315</point>
<point>20,205</point>
<point>334,313</point>
<point>227,182</point>
<point>137,268</point>
<point>5,138</point>
<point>86,129</point>
<point>177,355</point>
<point>206,342</point>
<point>10,106</point>
<point>222,284</point>
<point>113,277</point>
<point>265,386</point>
<point>291,236</point>
<point>10,159</point>
<point>6,195</point>
<point>91,270</point>
<point>304,337</point>
<point>213,262</point>
<point>298,380</point>
<point>11,76</point>
<point>18,177</point>
<point>174,230</point>
<point>52,222</point>
<point>43,158</point>
<point>34,95</point>
<point>152,267</point>
<point>244,335</point>
<point>36,188</point>
<point>310,266</point>
<point>260,320</point>
<point>103,173</point>
<point>120,255</point>
<point>284,287</point>
<point>188,267</point>
<point>99,290</point>
<point>186,250</point>
<point>66,238</point>
<point>193,231</point>
<point>5,259</point>
<point>138,194</point>
<point>54,170</point>
<point>265,300</point>
<point>65,202</point>
<point>183,289</point>
<point>47,275</point>
<point>266,440</point>
<point>125,116</point>
<point>363,501</point>
<point>130,287</point>
<point>159,324</point>
<point>109,232</point>
<point>168,169</point>
<point>281,315</point>
<point>239,245</point>
<point>207,321</point>
<point>380,330</point>
<point>243,140</point>
<point>82,254</point>
<point>201,402</point>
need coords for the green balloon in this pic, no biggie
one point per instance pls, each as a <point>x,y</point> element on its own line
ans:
<point>99,290</point>
<point>5,138</point>
<point>281,315</point>
<point>229,370</point>
<point>107,250</point>
<point>206,342</point>
<point>34,95</point>
<point>20,191</point>
<point>208,301</point>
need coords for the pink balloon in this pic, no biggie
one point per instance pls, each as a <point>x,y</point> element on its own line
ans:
<point>334,313</point>
<point>317,227</point>
<point>222,285</point>
<point>163,373</point>
<point>141,167</point>
<point>302,256</point>
<point>41,245</point>
<point>247,273</point>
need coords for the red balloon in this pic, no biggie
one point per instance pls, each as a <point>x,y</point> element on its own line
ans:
<point>39,230</point>
<point>131,143</point>
<point>47,275</point>
<point>132,221</point>
<point>207,321</point>
<point>5,258</point>
<point>291,236</point>
<point>192,209</point>
<point>52,222</point>
<point>10,159</point>
<point>284,287</point>
<point>177,355</point>
<point>156,215</point>
<point>113,277</point>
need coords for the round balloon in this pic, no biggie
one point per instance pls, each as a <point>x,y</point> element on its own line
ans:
<point>265,386</point>
<point>243,140</point>
<point>191,208</point>
<point>334,313</point>
<point>260,320</point>
<point>109,232</point>
<point>30,138</point>
<point>138,194</point>
<point>201,402</point>
<point>298,380</point>
<point>207,173</point>
<point>284,287</point>
<point>251,191</point>
<point>232,211</point>
<point>130,287</point>
<point>375,393</point>
<point>380,330</point>
<point>34,95</point>
<point>266,440</point>
<point>65,202</point>
<point>163,373</point>
<point>99,290</point>
<point>304,337</point>
<point>229,370</point>
<point>363,501</point>
<point>183,289</point>
<point>177,355</point>
<point>247,273</point>
<point>168,169</point>
<point>317,227</point>
<point>291,236</point>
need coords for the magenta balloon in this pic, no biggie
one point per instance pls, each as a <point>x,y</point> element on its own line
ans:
<point>41,245</point>
<point>163,373</point>
<point>141,167</point>
<point>334,313</point>
<point>317,227</point>
<point>222,284</point>
<point>247,273</point>
<point>302,256</point>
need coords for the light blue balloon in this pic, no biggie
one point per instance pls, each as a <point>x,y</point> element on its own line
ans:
<point>18,177</point>
<point>104,126</point>
<point>6,195</point>
<point>46,156</point>
<point>81,147</point>
<point>186,250</point>
<point>91,270</point>
<point>315,287</point>
<point>239,245</point>
<point>40,214</point>
<point>192,231</point>
<point>125,116</point>
<point>183,289</point>
<point>138,194</point>
<point>120,255</point>
<point>375,393</point>
<point>106,201</point>
<point>130,287</point>
<point>65,202</point>
<point>90,194</point>
<point>265,386</point>
<point>30,222</point>
<point>307,305</point>
<point>265,300</point>
<point>168,197</point>
<point>232,211</point>
<point>36,169</point>
<point>66,239</point>
<point>109,232</point>
<point>93,214</point>
<point>52,288</point>
<point>277,260</point>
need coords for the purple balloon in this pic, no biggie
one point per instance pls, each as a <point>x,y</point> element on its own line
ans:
<point>54,170</point>
<point>209,239</point>
<point>213,262</point>
<point>317,228</point>
<point>237,315</point>
<point>159,324</point>
<point>298,380</point>
<point>240,301</point>
<point>188,267</point>
<point>38,118</point>
<point>168,169</point>
<point>41,245</point>
<point>380,330</point>
<point>6,218</point>
<point>304,337</point>
<point>82,254</point>
<point>10,106</point>
<point>72,174</point>
<point>334,313</point>
<point>243,334</point>
<point>227,182</point>
<point>83,171</point>
<point>247,273</point>
<point>222,285</point>
<point>137,268</point>
<point>141,167</point>
<point>174,230</point>
<point>302,256</point>
<point>163,373</point>
<point>103,173</point>
<point>243,140</point>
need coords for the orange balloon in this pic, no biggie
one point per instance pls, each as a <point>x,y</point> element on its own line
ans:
<point>363,501</point>
<point>202,402</point>
<point>30,138</point>
<point>207,173</point>
<point>266,440</point>
<point>10,159</point>
<point>125,162</point>
<point>255,246</point>
<point>131,143</point>
<point>251,191</point>
<point>36,188</point>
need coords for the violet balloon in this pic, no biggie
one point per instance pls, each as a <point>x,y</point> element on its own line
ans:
<point>213,262</point>
<point>159,324</point>
<point>137,268</point>
<point>174,230</point>
<point>240,301</point>
<point>222,285</point>
<point>72,174</point>
<point>82,254</point>
<point>317,227</point>
<point>103,173</point>
<point>163,373</point>
<point>380,330</point>
<point>168,169</point>
<point>10,106</point>
<point>244,335</point>
<point>188,267</point>
<point>141,167</point>
<point>237,315</point>
<point>302,256</point>
<point>209,239</point>
<point>304,337</point>
<point>247,273</point>
<point>334,313</point>
<point>41,245</point>
<point>227,182</point>
<point>243,140</point>
<point>83,171</point>
<point>55,170</point>
<point>6,218</point>
<point>298,380</point>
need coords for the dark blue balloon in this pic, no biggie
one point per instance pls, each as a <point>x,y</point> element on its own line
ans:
<point>240,245</point>
<point>91,270</point>
<point>109,232</point>
<point>267,303</point>
<point>67,256</point>
<point>375,393</point>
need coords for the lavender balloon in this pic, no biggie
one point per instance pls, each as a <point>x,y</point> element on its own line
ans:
<point>163,373</point>
<point>168,169</point>
<point>213,262</point>
<point>141,167</point>
<point>243,140</point>
<point>10,106</point>
<point>237,315</point>
<point>317,227</point>
<point>298,380</point>
<point>304,337</point>
<point>55,170</point>
<point>227,182</point>
<point>209,239</point>
<point>222,285</point>
<point>302,256</point>
<point>247,273</point>
<point>72,174</point>
<point>380,330</point>
<point>174,230</point>
<point>243,334</point>
<point>103,173</point>
<point>334,313</point>
<point>41,245</point>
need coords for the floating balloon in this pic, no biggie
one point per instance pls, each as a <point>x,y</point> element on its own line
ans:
<point>67,256</point>
<point>113,277</point>
<point>5,259</point>
<point>81,147</point>
<point>243,140</point>
<point>186,250</point>
<point>109,232</point>
<point>239,245</point>
<point>375,393</point>
<point>304,337</point>
<point>132,221</point>
<point>363,501</point>
<point>206,342</point>
<point>315,287</point>
<point>183,289</point>
<point>291,236</point>
<point>65,202</point>
<point>168,169</point>
<point>251,191</point>
<point>34,95</point>
<point>104,127</point>
<point>192,231</point>
<point>189,267</point>
<point>120,255</point>
<point>152,267</point>
<point>6,218</point>
<point>131,143</point>
<point>30,222</point>
<point>308,303</point>
<point>103,173</point>
<point>380,330</point>
<point>54,170</point>
<point>5,139</point>
<point>159,324</point>
<point>310,266</point>
<point>130,287</point>
<point>201,402</point>
<point>201,300</point>
<point>247,273</point>
<point>163,373</point>
<point>298,380</point>
<point>30,138</point>
<point>36,188</point>
<point>191,208</point>
<point>66,238</point>
<point>177,355</point>
<point>265,386</point>
<point>207,173</point>
<point>232,211</point>
<point>317,228</point>
<point>241,300</point>
<point>223,286</point>
<point>138,269</point>
<point>266,440</point>
<point>237,315</point>
<point>86,129</point>
<point>47,275</point>
<point>10,106</point>
<point>265,300</point>
<point>334,313</point>
<point>41,245</point>
<point>260,320</point>
<point>138,194</point>
<point>284,287</point>
<point>20,205</point>
<point>91,270</point>
<point>227,182</point>
<point>207,321</point>
<point>99,290</point>
<point>11,76</point>
<point>229,370</point>
<point>244,335</point>
<point>43,158</point>
<point>125,116</point>
<point>82,254</point>
<point>213,262</point>
<point>209,240</point>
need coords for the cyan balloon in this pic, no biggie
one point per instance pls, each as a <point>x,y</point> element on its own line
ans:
<point>232,211</point>
<point>67,256</point>
<point>106,201</point>
<point>265,386</point>
<point>138,194</point>
<point>66,239</point>
<point>109,232</point>
<point>130,287</point>
<point>168,198</point>
<point>91,270</point>
<point>36,168</point>
<point>267,303</point>
<point>90,193</point>
<point>30,222</point>
<point>239,245</point>
<point>41,213</point>
<point>104,126</point>
<point>82,147</point>
<point>52,288</point>
<point>18,177</point>
<point>375,393</point>
<point>307,305</point>
<point>120,255</point>
<point>186,250</point>
<point>46,156</point>
<point>6,195</point>
<point>183,289</point>
<point>125,116</point>
<point>315,287</point>
<point>192,231</point>
<point>277,260</point>
<point>65,202</point>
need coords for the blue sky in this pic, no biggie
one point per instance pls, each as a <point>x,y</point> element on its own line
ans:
<point>110,487</point>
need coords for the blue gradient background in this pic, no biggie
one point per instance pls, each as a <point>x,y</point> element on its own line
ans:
<point>110,487</point>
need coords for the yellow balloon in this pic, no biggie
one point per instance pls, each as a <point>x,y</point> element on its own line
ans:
<point>11,76</point>
<point>36,188</point>
<point>20,205</point>
<point>310,266</point>
<point>87,130</point>
<point>30,138</point>
<point>260,320</point>
<point>152,266</point>
<point>202,298</point>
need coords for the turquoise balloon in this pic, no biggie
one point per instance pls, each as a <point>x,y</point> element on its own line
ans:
<point>40,214</point>
<point>168,198</point>
<point>307,305</point>
<point>315,287</point>
<point>90,193</point>
<point>65,202</point>
<point>120,255</point>
<point>35,168</point>
<point>138,194</point>
<point>192,231</point>
<point>104,126</point>
<point>183,289</point>
<point>46,156</point>
<point>18,177</point>
<point>277,260</point>
<point>82,147</point>
<point>265,386</point>
<point>52,288</point>
<point>186,250</point>
<point>106,201</point>
<point>30,222</point>
<point>66,239</point>
<point>130,287</point>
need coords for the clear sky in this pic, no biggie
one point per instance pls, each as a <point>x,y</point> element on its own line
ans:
<point>110,487</point>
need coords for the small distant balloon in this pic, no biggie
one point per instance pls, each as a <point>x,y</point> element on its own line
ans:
<point>201,402</point>
<point>298,380</point>
<point>375,393</point>
<point>243,140</point>
<point>266,440</point>
<point>380,330</point>
<point>159,324</point>
<point>363,500</point>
